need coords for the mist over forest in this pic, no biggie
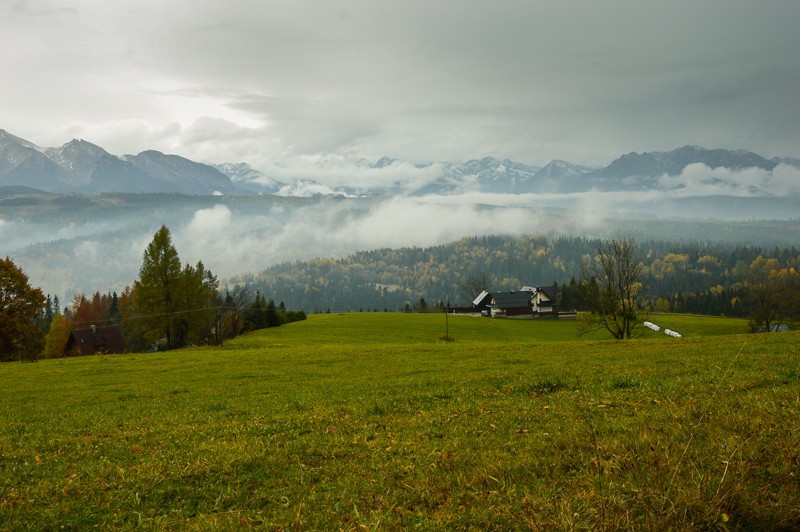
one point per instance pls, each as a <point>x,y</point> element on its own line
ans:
<point>72,244</point>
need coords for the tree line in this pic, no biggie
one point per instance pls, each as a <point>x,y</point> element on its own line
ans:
<point>170,305</point>
<point>701,277</point>
<point>611,292</point>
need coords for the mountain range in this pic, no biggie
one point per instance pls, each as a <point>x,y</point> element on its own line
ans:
<point>82,167</point>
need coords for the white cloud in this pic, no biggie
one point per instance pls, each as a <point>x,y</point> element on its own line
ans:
<point>229,243</point>
<point>417,223</point>
<point>699,180</point>
<point>784,181</point>
<point>210,222</point>
<point>225,242</point>
<point>355,173</point>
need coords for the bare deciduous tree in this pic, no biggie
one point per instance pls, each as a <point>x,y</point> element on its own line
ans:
<point>237,301</point>
<point>612,284</point>
<point>473,284</point>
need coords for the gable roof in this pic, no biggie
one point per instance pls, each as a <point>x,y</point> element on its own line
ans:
<point>505,300</point>
<point>547,291</point>
<point>95,340</point>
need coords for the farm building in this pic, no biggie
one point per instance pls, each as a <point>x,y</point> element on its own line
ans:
<point>95,341</point>
<point>483,302</point>
<point>527,302</point>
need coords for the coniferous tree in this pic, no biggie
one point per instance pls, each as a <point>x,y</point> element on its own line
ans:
<point>197,306</point>
<point>173,305</point>
<point>256,317</point>
<point>113,313</point>
<point>47,315</point>
<point>132,327</point>
<point>273,319</point>
<point>157,292</point>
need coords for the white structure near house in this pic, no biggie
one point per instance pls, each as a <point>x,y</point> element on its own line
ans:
<point>483,299</point>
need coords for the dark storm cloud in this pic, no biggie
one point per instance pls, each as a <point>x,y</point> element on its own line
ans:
<point>292,82</point>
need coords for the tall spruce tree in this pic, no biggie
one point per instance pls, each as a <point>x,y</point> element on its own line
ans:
<point>157,291</point>
<point>256,316</point>
<point>273,319</point>
<point>175,305</point>
<point>198,287</point>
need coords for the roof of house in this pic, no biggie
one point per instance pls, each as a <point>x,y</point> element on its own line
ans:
<point>96,340</point>
<point>512,299</point>
<point>482,299</point>
<point>548,291</point>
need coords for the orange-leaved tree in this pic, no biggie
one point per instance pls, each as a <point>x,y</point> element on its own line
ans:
<point>20,307</point>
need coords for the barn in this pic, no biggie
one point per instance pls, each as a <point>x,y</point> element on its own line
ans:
<point>95,341</point>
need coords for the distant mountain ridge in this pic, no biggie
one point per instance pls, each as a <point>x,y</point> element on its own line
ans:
<point>632,171</point>
<point>654,164</point>
<point>248,178</point>
<point>80,166</point>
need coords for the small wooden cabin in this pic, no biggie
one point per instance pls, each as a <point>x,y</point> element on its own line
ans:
<point>95,341</point>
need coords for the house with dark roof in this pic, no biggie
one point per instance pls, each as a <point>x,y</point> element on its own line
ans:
<point>95,341</point>
<point>544,300</point>
<point>512,304</point>
<point>527,302</point>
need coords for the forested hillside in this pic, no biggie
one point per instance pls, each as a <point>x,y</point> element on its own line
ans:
<point>703,277</point>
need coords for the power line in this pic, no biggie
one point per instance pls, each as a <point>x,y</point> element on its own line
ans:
<point>220,309</point>
<point>147,316</point>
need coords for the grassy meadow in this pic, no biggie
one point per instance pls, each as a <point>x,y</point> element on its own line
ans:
<point>374,421</point>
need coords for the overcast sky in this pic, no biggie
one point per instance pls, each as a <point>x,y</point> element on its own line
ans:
<point>292,83</point>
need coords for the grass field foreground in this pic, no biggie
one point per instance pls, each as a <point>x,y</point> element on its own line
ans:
<point>373,421</point>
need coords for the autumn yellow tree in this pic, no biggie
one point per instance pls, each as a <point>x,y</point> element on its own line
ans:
<point>20,307</point>
<point>773,293</point>
<point>56,339</point>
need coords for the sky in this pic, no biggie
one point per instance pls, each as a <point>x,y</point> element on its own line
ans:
<point>286,86</point>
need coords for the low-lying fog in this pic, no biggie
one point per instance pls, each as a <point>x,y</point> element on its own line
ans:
<point>104,253</point>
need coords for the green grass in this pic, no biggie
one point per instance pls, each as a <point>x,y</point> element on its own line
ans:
<point>694,326</point>
<point>372,421</point>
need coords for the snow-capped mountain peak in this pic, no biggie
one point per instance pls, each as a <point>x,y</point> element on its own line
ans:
<point>80,166</point>
<point>383,162</point>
